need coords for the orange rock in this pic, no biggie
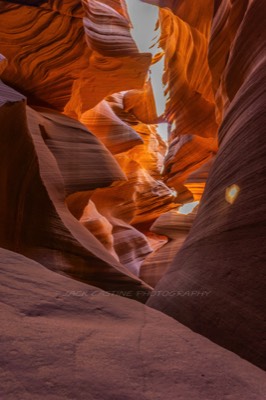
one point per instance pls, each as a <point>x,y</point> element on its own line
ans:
<point>225,249</point>
<point>186,154</point>
<point>56,68</point>
<point>116,135</point>
<point>141,104</point>
<point>184,38</point>
<point>34,218</point>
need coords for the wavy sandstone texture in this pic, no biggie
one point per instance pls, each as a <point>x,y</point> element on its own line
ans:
<point>36,153</point>
<point>74,342</point>
<point>225,250</point>
<point>61,57</point>
<point>190,109</point>
<point>93,61</point>
<point>175,227</point>
<point>91,202</point>
<point>73,66</point>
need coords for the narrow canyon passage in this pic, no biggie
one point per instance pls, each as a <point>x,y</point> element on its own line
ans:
<point>132,184</point>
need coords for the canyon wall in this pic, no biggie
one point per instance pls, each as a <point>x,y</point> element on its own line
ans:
<point>59,65</point>
<point>64,339</point>
<point>90,190</point>
<point>224,253</point>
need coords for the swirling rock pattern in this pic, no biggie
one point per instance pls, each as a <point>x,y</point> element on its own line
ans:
<point>131,246</point>
<point>118,347</point>
<point>141,104</point>
<point>107,30</point>
<point>41,226</point>
<point>141,199</point>
<point>184,38</point>
<point>116,135</point>
<point>81,203</point>
<point>77,152</point>
<point>125,243</point>
<point>190,108</point>
<point>173,224</point>
<point>157,263</point>
<point>196,181</point>
<point>176,227</point>
<point>56,68</point>
<point>224,252</point>
<point>186,154</point>
<point>99,226</point>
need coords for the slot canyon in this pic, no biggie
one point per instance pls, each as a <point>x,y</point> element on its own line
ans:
<point>132,199</point>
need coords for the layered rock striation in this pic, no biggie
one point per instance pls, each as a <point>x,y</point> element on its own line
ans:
<point>224,252</point>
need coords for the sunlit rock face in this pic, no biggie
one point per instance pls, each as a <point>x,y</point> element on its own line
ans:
<point>36,175</point>
<point>187,153</point>
<point>190,108</point>
<point>196,181</point>
<point>60,56</point>
<point>185,30</point>
<point>224,252</point>
<point>116,135</point>
<point>74,55</point>
<point>64,338</point>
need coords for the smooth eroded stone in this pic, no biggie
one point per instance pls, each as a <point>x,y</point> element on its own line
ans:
<point>141,103</point>
<point>35,220</point>
<point>185,30</point>
<point>83,160</point>
<point>63,339</point>
<point>57,59</point>
<point>173,223</point>
<point>186,154</point>
<point>196,181</point>
<point>225,250</point>
<point>116,134</point>
<point>176,227</point>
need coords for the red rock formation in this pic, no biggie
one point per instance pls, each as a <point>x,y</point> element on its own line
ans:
<point>196,181</point>
<point>141,104</point>
<point>186,154</point>
<point>224,252</point>
<point>176,227</point>
<point>184,38</point>
<point>190,109</point>
<point>36,173</point>
<point>116,135</point>
<point>81,184</point>
<point>64,339</point>
<point>61,66</point>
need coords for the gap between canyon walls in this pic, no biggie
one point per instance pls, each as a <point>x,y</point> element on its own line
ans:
<point>109,188</point>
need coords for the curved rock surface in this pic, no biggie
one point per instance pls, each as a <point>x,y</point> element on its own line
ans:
<point>141,104</point>
<point>196,181</point>
<point>225,250</point>
<point>34,218</point>
<point>185,30</point>
<point>186,154</point>
<point>56,67</point>
<point>76,342</point>
<point>116,134</point>
<point>100,205</point>
<point>176,227</point>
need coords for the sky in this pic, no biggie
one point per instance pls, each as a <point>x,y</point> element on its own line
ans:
<point>143,17</point>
